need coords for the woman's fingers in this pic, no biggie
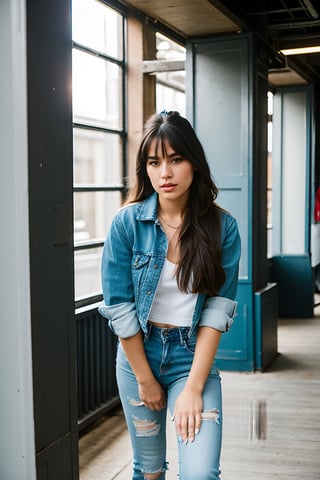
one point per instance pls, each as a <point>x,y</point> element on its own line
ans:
<point>156,404</point>
<point>152,396</point>
<point>187,427</point>
<point>191,427</point>
<point>197,424</point>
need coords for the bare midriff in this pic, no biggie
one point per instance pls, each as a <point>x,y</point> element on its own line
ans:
<point>162,325</point>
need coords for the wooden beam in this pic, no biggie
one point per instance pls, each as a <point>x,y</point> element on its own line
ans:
<point>157,66</point>
<point>135,93</point>
<point>149,81</point>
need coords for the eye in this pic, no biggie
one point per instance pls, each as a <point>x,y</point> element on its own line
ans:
<point>177,159</point>
<point>153,163</point>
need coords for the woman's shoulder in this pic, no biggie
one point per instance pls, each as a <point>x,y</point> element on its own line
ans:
<point>124,221</point>
<point>145,209</point>
<point>128,210</point>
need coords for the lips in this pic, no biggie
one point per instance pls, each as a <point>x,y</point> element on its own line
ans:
<point>168,187</point>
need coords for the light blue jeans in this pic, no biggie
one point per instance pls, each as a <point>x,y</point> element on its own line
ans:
<point>170,354</point>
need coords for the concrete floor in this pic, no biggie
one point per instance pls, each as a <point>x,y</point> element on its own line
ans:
<point>271,419</point>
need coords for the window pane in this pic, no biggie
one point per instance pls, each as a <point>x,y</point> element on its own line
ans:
<point>97,96</point>
<point>93,214</point>
<point>97,26</point>
<point>87,272</point>
<point>167,49</point>
<point>97,158</point>
<point>170,99</point>
<point>170,93</point>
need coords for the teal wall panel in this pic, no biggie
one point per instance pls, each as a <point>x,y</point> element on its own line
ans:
<point>293,166</point>
<point>227,103</point>
<point>220,112</point>
<point>221,116</point>
<point>236,346</point>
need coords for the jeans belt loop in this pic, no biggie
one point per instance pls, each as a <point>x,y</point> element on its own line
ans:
<point>147,334</point>
<point>182,340</point>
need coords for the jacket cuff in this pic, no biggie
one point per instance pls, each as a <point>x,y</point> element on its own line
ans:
<point>218,313</point>
<point>122,318</point>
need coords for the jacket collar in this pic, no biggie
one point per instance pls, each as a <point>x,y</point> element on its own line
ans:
<point>149,208</point>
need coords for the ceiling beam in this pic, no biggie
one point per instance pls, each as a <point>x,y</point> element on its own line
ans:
<point>157,66</point>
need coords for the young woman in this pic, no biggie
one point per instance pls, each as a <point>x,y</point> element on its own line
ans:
<point>169,274</point>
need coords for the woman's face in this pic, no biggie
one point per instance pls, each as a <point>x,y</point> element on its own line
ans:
<point>170,174</point>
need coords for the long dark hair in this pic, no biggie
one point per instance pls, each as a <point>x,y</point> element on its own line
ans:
<point>199,268</point>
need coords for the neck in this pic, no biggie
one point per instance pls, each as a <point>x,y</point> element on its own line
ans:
<point>172,219</point>
<point>171,209</point>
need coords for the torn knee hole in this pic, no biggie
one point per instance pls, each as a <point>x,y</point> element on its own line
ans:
<point>212,415</point>
<point>146,428</point>
<point>135,403</point>
<point>152,476</point>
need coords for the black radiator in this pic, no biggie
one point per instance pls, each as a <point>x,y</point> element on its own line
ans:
<point>96,349</point>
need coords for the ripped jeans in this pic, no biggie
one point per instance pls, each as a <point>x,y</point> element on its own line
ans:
<point>170,355</point>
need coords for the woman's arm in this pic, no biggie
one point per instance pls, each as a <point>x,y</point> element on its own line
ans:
<point>216,317</point>
<point>150,391</point>
<point>218,312</point>
<point>120,309</point>
<point>118,305</point>
<point>188,407</point>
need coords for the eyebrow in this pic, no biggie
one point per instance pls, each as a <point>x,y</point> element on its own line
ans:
<point>156,157</point>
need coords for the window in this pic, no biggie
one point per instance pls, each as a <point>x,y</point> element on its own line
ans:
<point>269,177</point>
<point>170,86</point>
<point>98,135</point>
<point>100,127</point>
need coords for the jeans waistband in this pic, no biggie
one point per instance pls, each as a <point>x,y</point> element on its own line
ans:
<point>172,334</point>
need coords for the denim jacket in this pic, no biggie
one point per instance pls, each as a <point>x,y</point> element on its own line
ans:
<point>132,261</point>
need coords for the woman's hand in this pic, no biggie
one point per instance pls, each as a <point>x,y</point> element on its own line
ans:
<point>189,404</point>
<point>152,395</point>
<point>187,414</point>
<point>150,391</point>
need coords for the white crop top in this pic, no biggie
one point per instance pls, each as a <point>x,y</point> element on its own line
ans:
<point>170,305</point>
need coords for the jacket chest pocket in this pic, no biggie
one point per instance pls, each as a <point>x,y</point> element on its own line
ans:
<point>140,265</point>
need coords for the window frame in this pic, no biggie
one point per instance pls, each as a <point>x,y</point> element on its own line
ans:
<point>125,11</point>
<point>122,132</point>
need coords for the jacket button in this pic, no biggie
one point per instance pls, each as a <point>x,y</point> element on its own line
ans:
<point>155,266</point>
<point>149,293</point>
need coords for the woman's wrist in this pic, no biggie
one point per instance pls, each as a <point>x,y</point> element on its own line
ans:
<point>145,379</point>
<point>194,386</point>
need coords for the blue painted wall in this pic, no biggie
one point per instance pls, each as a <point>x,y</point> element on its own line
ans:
<point>227,101</point>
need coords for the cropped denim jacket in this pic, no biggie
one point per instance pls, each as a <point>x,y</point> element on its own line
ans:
<point>132,261</point>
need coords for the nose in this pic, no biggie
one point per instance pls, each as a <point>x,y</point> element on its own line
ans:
<point>166,170</point>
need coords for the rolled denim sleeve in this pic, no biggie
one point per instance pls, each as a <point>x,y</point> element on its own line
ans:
<point>218,312</point>
<point>122,318</point>
<point>118,306</point>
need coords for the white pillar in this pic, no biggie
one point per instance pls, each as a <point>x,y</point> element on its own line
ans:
<point>17,449</point>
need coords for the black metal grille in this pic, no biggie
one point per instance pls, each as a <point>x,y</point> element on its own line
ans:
<point>96,348</point>
<point>295,16</point>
